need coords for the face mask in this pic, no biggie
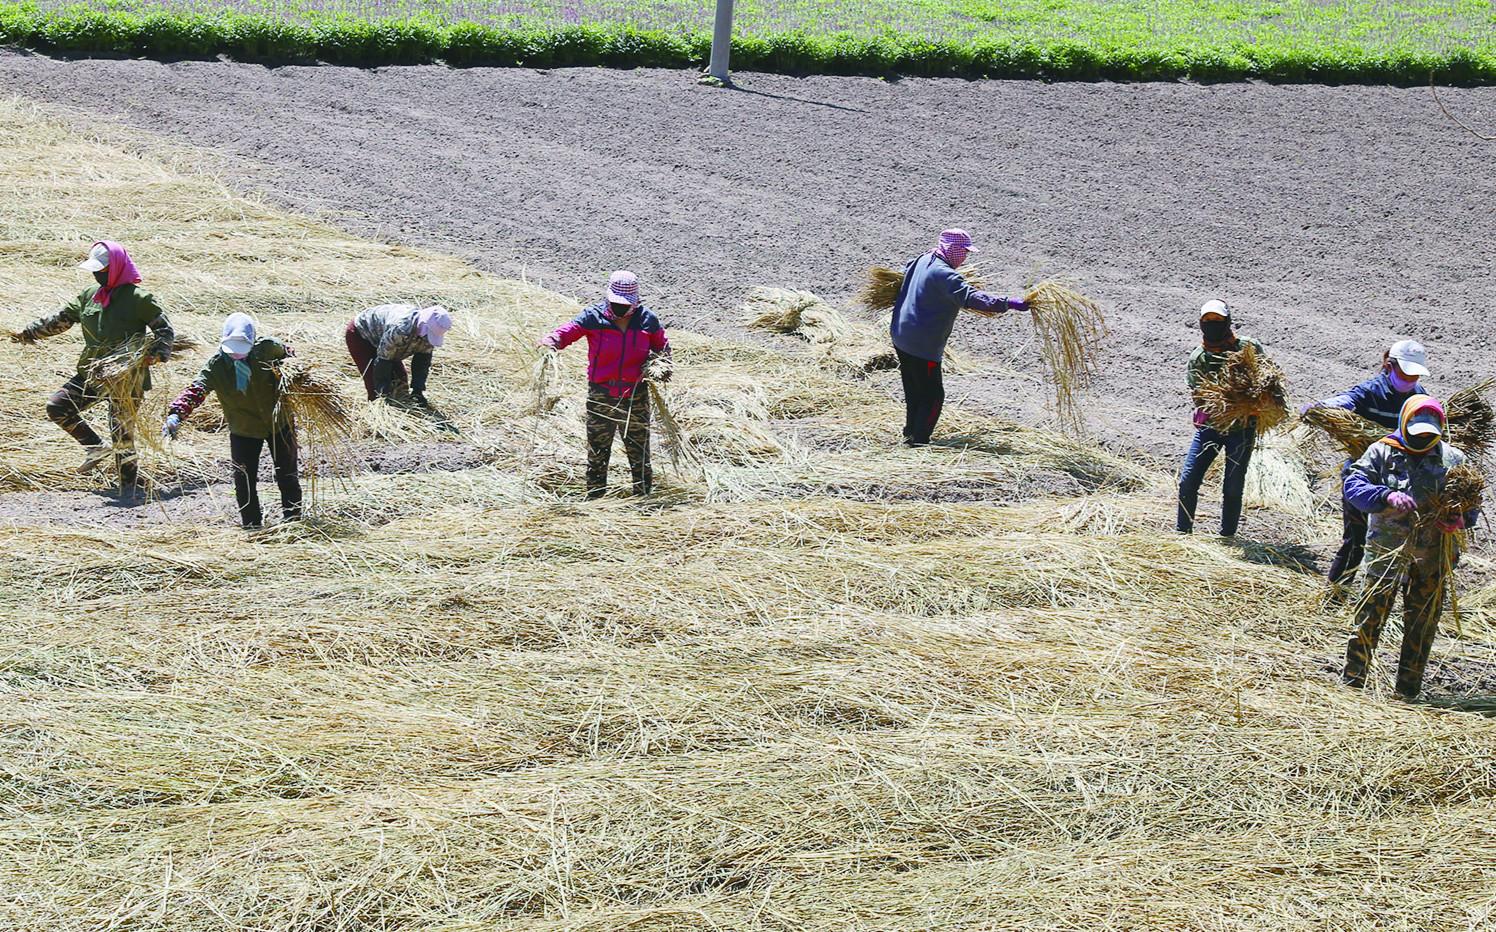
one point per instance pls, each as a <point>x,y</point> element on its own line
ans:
<point>1399,381</point>
<point>1420,443</point>
<point>621,311</point>
<point>102,277</point>
<point>1216,331</point>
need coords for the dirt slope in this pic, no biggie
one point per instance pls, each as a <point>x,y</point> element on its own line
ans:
<point>1334,218</point>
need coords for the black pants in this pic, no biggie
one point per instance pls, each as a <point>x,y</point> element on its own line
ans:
<point>245,452</point>
<point>924,396</point>
<point>1352,543</point>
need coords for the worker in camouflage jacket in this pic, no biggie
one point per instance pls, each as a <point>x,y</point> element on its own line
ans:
<point>112,315</point>
<point>623,339</point>
<point>1218,340</point>
<point>381,338</point>
<point>245,376</point>
<point>1379,399</point>
<point>1395,483</point>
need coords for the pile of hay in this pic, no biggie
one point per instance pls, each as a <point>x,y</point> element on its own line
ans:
<point>1472,423</point>
<point>1249,385</point>
<point>836,343</point>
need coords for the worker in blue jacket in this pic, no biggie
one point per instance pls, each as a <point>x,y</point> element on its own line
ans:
<point>1379,399</point>
<point>931,296</point>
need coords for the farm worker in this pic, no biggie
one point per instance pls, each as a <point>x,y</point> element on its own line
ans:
<point>1393,481</point>
<point>1379,399</point>
<point>382,337</point>
<point>244,375</point>
<point>623,338</point>
<point>931,296</point>
<point>111,314</point>
<point>1218,341</point>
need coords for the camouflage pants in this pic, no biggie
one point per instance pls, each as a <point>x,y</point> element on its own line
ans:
<point>626,416</point>
<point>66,407</point>
<point>1422,587</point>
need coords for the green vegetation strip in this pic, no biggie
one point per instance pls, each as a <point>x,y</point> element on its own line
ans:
<point>1124,55</point>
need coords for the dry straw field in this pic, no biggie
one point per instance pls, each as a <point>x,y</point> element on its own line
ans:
<point>818,682</point>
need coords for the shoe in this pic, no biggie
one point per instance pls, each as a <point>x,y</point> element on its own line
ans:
<point>94,457</point>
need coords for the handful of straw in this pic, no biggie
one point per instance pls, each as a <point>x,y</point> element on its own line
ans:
<point>881,289</point>
<point>319,413</point>
<point>1249,385</point>
<point>1463,491</point>
<point>121,376</point>
<point>1472,423</point>
<point>1071,329</point>
<point>1348,430</point>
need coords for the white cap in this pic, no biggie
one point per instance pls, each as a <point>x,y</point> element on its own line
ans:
<point>1411,357</point>
<point>1215,306</point>
<point>98,259</point>
<point>238,335</point>
<point>1422,428</point>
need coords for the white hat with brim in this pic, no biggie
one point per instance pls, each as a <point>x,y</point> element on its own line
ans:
<point>1411,357</point>
<point>98,259</point>
<point>1423,429</point>
<point>1215,307</point>
<point>236,346</point>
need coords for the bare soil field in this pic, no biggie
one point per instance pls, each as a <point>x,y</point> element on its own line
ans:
<point>1334,219</point>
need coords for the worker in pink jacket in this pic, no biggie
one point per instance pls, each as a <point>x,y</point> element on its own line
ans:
<point>623,337</point>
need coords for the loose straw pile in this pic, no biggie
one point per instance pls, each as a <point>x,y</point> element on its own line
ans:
<point>1347,430</point>
<point>1472,423</point>
<point>1071,329</point>
<point>1249,385</point>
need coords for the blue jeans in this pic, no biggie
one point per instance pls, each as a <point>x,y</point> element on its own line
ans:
<point>1207,443</point>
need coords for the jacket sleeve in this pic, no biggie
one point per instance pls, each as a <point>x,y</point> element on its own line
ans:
<point>391,342</point>
<point>1363,484</point>
<point>1195,371</point>
<point>659,344</point>
<point>986,301</point>
<point>160,327</point>
<point>60,322</point>
<point>958,288</point>
<point>420,371</point>
<point>565,335</point>
<point>194,394</point>
<point>1346,400</point>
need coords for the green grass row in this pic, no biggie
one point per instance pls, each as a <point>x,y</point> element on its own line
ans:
<point>351,41</point>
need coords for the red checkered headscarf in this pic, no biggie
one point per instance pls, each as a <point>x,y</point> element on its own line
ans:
<point>954,247</point>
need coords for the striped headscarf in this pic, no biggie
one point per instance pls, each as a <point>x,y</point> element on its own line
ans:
<point>954,247</point>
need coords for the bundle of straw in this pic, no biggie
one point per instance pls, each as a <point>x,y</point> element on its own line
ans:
<point>1071,329</point>
<point>881,289</point>
<point>319,413</point>
<point>1463,491</point>
<point>1472,423</point>
<point>1349,431</point>
<point>121,377</point>
<point>1249,385</point>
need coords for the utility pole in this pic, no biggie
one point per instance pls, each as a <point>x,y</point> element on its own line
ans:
<point>721,42</point>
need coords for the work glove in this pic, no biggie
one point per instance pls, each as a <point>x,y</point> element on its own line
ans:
<point>1200,417</point>
<point>1452,525</point>
<point>420,399</point>
<point>1306,407</point>
<point>1401,502</point>
<point>23,336</point>
<point>170,428</point>
<point>1017,304</point>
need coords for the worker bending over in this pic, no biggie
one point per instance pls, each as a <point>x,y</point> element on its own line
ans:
<point>381,338</point>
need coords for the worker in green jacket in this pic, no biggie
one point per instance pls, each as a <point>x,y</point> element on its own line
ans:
<point>111,314</point>
<point>1218,340</point>
<point>243,373</point>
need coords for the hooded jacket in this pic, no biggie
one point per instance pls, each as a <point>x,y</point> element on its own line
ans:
<point>254,412</point>
<point>615,358</point>
<point>1388,466</point>
<point>1375,399</point>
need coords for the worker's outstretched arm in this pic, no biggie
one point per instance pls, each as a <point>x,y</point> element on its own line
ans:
<point>52,324</point>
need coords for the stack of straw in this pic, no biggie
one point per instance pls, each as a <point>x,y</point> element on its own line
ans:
<point>1472,423</point>
<point>1248,386</point>
<point>838,344</point>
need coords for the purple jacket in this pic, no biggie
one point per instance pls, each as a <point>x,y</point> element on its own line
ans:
<point>615,358</point>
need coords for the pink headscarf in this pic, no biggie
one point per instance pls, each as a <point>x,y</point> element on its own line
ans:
<point>122,271</point>
<point>954,246</point>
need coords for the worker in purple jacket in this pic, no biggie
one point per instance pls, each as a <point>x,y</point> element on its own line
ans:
<point>1379,399</point>
<point>932,294</point>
